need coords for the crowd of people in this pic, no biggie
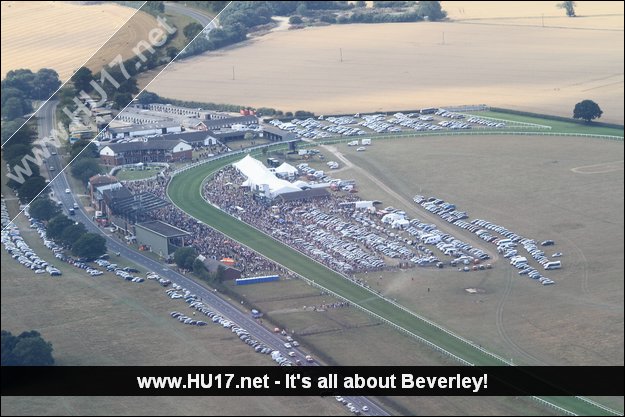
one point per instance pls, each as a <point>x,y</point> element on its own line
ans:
<point>286,220</point>
<point>206,240</point>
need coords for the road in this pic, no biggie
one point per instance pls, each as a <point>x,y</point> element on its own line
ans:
<point>202,18</point>
<point>212,300</point>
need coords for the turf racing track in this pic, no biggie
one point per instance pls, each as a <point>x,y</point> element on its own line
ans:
<point>184,191</point>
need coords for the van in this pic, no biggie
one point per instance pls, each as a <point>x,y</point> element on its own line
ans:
<point>553,265</point>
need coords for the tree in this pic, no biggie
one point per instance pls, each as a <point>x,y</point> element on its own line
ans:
<point>24,135</point>
<point>302,9</point>
<point>148,97</point>
<point>122,99</point>
<point>89,246</point>
<point>191,30</point>
<point>295,20</point>
<point>248,136</point>
<point>171,52</point>
<point>76,150</point>
<point>431,9</point>
<point>569,6</point>
<point>43,208</point>
<point>361,3</point>
<point>72,234</point>
<point>22,79</point>
<point>220,274</point>
<point>82,79</point>
<point>14,152</point>
<point>57,225</point>
<point>587,110</point>
<point>45,83</point>
<point>85,168</point>
<point>27,349</point>
<point>33,351</point>
<point>184,257</point>
<point>13,108</point>
<point>31,188</point>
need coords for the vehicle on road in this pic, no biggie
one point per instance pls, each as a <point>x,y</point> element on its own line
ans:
<point>67,191</point>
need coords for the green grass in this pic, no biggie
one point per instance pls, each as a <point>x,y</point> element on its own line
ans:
<point>179,41</point>
<point>125,174</point>
<point>557,126</point>
<point>184,191</point>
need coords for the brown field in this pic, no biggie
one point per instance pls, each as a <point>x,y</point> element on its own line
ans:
<point>409,65</point>
<point>529,185</point>
<point>62,36</point>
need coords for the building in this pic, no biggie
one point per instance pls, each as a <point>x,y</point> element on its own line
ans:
<point>146,129</point>
<point>148,151</point>
<point>97,196</point>
<point>214,124</point>
<point>162,238</point>
<point>98,181</point>
<point>277,135</point>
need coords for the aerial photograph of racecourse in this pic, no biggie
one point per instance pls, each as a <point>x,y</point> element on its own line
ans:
<point>312,183</point>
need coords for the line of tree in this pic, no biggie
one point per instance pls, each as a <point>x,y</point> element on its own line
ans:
<point>27,349</point>
<point>148,97</point>
<point>20,86</point>
<point>187,258</point>
<point>65,232</point>
<point>87,163</point>
<point>15,150</point>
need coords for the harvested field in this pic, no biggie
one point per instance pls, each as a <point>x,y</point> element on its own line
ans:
<point>414,65</point>
<point>62,35</point>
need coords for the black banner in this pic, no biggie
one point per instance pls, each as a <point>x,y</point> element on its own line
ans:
<point>313,381</point>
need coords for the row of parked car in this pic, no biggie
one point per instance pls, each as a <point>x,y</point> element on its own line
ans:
<point>19,250</point>
<point>195,303</point>
<point>505,240</point>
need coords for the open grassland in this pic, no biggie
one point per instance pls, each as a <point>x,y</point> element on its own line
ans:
<point>538,193</point>
<point>185,188</point>
<point>111,322</point>
<point>62,35</point>
<point>413,65</point>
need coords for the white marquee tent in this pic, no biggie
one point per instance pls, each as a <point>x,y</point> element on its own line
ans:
<point>261,179</point>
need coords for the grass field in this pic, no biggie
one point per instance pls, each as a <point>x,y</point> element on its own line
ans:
<point>185,191</point>
<point>413,65</point>
<point>557,126</point>
<point>107,321</point>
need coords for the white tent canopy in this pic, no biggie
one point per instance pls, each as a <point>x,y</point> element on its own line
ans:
<point>260,178</point>
<point>286,169</point>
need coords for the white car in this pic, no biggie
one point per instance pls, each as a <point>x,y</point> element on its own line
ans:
<point>67,191</point>
<point>361,149</point>
<point>365,408</point>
